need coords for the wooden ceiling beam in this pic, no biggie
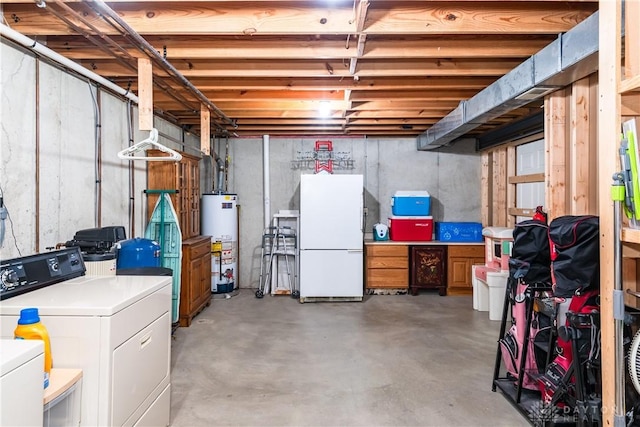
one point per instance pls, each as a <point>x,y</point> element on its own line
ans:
<point>426,104</point>
<point>311,114</point>
<point>238,18</point>
<point>242,84</point>
<point>328,68</point>
<point>191,48</point>
<point>395,114</point>
<point>230,107</point>
<point>478,17</point>
<point>360,98</point>
<point>403,94</point>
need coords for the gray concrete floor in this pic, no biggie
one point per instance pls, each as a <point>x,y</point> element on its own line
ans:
<point>392,360</point>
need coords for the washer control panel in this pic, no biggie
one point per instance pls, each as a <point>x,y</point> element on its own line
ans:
<point>25,274</point>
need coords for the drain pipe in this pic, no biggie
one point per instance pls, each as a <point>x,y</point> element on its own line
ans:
<point>265,180</point>
<point>44,51</point>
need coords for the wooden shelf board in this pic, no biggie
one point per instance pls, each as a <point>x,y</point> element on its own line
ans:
<point>631,84</point>
<point>631,235</point>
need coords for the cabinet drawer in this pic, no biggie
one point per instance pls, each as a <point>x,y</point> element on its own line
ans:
<point>470,251</point>
<point>200,249</point>
<point>387,262</point>
<point>388,278</point>
<point>197,246</point>
<point>388,250</point>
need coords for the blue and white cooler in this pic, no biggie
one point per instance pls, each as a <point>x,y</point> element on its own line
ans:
<point>411,203</point>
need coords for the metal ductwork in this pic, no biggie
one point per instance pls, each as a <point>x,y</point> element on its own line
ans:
<point>572,56</point>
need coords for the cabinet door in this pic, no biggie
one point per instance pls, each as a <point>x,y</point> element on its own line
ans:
<point>428,267</point>
<point>459,272</point>
<point>183,176</point>
<point>205,276</point>
<point>195,283</point>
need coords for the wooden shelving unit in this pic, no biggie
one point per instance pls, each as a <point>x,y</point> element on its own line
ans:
<point>619,99</point>
<point>183,176</point>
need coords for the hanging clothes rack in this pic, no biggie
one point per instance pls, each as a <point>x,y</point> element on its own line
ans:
<point>150,143</point>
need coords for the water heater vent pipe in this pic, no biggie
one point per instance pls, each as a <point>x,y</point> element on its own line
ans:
<point>265,180</point>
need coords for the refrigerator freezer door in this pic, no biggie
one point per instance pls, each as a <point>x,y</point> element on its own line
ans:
<point>331,211</point>
<point>331,273</point>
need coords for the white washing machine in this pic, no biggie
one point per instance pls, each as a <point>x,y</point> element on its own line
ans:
<point>21,382</point>
<point>118,331</point>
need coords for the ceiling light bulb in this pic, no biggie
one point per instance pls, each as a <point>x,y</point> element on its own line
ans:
<point>324,109</point>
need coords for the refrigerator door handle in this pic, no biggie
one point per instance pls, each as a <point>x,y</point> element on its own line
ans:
<point>354,250</point>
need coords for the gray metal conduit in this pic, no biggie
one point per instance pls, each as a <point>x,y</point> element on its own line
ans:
<point>144,45</point>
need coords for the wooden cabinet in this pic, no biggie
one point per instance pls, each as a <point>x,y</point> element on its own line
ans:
<point>460,258</point>
<point>195,287</point>
<point>428,269</point>
<point>387,266</point>
<point>183,176</point>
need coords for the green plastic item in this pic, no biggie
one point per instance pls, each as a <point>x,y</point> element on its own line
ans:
<point>164,228</point>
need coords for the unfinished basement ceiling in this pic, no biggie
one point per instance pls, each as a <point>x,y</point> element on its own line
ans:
<point>383,68</point>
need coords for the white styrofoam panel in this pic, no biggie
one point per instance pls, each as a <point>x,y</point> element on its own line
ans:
<point>530,158</point>
<point>530,195</point>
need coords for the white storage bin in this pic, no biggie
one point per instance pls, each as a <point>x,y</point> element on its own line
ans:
<point>497,283</point>
<point>62,398</point>
<point>480,291</point>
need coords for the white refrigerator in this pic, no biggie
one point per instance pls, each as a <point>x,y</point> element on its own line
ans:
<point>331,237</point>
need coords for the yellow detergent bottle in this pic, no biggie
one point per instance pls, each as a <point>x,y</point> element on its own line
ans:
<point>30,328</point>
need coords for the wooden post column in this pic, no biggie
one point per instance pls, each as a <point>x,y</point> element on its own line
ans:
<point>145,94</point>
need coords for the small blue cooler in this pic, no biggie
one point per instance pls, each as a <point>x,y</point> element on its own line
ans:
<point>411,203</point>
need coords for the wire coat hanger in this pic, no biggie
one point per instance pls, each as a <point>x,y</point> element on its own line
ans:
<point>151,142</point>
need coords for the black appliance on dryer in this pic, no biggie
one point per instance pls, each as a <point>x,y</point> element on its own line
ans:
<point>97,240</point>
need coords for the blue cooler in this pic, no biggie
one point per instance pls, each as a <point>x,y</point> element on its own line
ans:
<point>137,253</point>
<point>411,203</point>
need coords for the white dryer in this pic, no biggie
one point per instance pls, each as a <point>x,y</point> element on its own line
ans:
<point>118,331</point>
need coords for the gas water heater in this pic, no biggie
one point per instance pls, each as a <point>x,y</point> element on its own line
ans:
<point>220,221</point>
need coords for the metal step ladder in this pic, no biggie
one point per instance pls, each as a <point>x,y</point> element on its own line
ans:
<point>278,242</point>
